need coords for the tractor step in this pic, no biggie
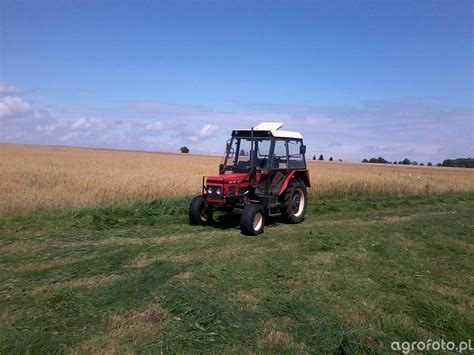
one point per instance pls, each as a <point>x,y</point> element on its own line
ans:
<point>274,210</point>
<point>274,214</point>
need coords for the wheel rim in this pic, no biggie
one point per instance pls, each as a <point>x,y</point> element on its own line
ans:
<point>204,215</point>
<point>257,221</point>
<point>297,203</point>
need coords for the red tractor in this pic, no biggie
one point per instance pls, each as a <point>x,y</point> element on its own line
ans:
<point>264,174</point>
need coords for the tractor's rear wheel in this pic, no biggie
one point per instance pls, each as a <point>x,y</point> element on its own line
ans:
<point>294,202</point>
<point>252,220</point>
<point>199,212</point>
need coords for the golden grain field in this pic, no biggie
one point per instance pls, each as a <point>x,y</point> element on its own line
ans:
<point>34,176</point>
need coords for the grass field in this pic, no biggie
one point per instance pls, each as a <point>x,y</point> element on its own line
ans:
<point>356,275</point>
<point>96,256</point>
<point>33,177</point>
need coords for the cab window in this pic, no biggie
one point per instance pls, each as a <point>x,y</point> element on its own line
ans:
<point>294,153</point>
<point>279,155</point>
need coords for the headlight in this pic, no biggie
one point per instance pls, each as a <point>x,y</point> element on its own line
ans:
<point>209,190</point>
<point>218,191</point>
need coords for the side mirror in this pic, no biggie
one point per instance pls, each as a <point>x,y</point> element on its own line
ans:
<point>227,146</point>
<point>302,149</point>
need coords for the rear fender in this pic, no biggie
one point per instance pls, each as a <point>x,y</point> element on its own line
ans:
<point>303,175</point>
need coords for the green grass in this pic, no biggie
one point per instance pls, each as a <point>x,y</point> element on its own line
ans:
<point>356,275</point>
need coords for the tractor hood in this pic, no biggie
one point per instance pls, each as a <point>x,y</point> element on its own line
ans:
<point>233,178</point>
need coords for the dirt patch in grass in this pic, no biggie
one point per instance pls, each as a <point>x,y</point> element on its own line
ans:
<point>278,337</point>
<point>143,261</point>
<point>125,331</point>
<point>322,258</point>
<point>365,315</point>
<point>86,282</point>
<point>361,222</point>
<point>247,299</point>
<point>287,245</point>
<point>35,246</point>
<point>32,267</point>
<point>361,255</point>
<point>408,245</point>
<point>21,247</point>
<point>6,320</point>
<point>187,275</point>
<point>406,322</point>
<point>462,244</point>
<point>462,298</point>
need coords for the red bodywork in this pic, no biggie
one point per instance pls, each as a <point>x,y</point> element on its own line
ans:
<point>230,184</point>
<point>233,184</point>
<point>303,175</point>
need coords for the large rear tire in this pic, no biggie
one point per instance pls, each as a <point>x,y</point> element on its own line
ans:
<point>199,213</point>
<point>294,202</point>
<point>252,220</point>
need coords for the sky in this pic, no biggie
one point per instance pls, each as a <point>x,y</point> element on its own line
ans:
<point>358,79</point>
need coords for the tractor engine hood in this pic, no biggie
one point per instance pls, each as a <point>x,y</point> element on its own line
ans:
<point>234,178</point>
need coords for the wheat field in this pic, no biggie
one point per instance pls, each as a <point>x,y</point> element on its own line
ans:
<point>34,177</point>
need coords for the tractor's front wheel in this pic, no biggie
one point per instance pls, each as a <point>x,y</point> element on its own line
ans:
<point>252,220</point>
<point>199,213</point>
<point>294,202</point>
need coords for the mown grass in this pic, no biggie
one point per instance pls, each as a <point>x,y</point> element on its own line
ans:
<point>356,275</point>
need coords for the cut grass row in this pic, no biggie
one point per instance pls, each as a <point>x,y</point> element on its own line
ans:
<point>356,275</point>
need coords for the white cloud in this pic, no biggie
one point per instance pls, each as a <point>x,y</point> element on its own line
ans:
<point>419,129</point>
<point>14,107</point>
<point>50,126</point>
<point>208,130</point>
<point>196,134</point>
<point>85,124</point>
<point>7,89</point>
<point>155,127</point>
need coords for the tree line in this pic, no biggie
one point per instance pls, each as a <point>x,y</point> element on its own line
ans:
<point>321,157</point>
<point>456,163</point>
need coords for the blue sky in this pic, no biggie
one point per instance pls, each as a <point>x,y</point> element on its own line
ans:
<point>357,78</point>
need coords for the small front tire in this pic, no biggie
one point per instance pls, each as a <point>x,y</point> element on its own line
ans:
<point>199,212</point>
<point>252,220</point>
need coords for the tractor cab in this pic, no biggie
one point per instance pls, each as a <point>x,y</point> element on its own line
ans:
<point>264,148</point>
<point>260,165</point>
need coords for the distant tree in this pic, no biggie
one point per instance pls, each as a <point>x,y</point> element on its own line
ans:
<point>406,161</point>
<point>242,152</point>
<point>314,157</point>
<point>448,163</point>
<point>184,149</point>
<point>394,162</point>
<point>321,157</point>
<point>439,164</point>
<point>429,164</point>
<point>331,159</point>
<point>414,163</point>
<point>339,159</point>
<point>421,164</point>
<point>365,161</point>
<point>378,160</point>
<point>459,163</point>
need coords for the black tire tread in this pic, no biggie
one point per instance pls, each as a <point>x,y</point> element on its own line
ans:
<point>195,207</point>
<point>246,220</point>
<point>287,213</point>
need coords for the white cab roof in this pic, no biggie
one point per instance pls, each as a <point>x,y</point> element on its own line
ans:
<point>274,128</point>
